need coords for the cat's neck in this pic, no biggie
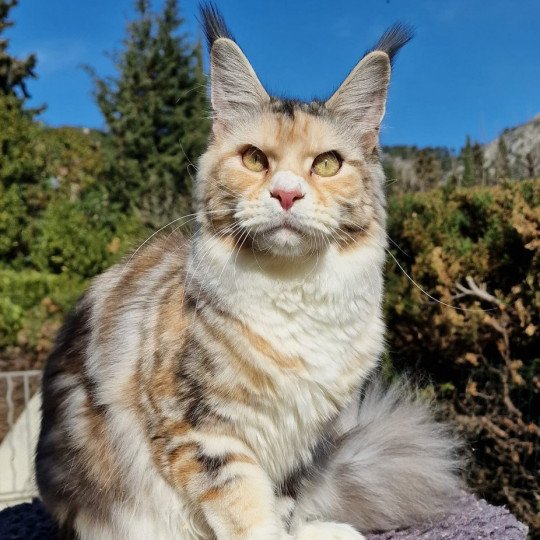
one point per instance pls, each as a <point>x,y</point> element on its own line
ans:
<point>240,278</point>
<point>325,310</point>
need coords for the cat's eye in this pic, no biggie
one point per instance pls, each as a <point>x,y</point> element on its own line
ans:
<point>254,159</point>
<point>327,164</point>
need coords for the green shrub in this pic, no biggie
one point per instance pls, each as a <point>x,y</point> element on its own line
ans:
<point>81,238</point>
<point>29,298</point>
<point>13,219</point>
<point>22,162</point>
<point>27,288</point>
<point>11,321</point>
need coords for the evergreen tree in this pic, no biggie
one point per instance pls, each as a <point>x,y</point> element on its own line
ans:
<point>502,162</point>
<point>156,114</point>
<point>13,71</point>
<point>478,164</point>
<point>20,163</point>
<point>530,161</point>
<point>468,164</point>
<point>427,168</point>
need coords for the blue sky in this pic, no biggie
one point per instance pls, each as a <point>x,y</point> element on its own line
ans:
<point>473,67</point>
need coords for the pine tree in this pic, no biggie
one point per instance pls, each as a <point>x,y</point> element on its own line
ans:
<point>13,71</point>
<point>468,164</point>
<point>502,162</point>
<point>156,114</point>
<point>22,163</point>
<point>478,164</point>
<point>19,161</point>
<point>427,168</point>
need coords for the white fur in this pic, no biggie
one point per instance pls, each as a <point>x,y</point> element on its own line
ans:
<point>320,530</point>
<point>325,310</point>
<point>288,181</point>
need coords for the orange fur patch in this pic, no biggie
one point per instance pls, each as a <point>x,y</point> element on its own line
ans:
<point>257,378</point>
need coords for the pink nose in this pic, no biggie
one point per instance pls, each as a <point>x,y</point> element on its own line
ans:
<point>286,198</point>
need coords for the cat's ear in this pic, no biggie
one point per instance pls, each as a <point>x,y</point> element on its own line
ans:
<point>235,88</point>
<point>360,101</point>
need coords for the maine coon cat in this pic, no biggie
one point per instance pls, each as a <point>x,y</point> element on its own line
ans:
<point>214,387</point>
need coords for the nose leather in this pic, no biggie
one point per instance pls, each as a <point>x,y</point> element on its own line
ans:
<point>286,198</point>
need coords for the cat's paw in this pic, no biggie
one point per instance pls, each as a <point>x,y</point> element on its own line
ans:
<point>326,530</point>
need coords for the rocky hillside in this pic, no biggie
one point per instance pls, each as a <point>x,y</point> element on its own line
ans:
<point>523,148</point>
<point>515,154</point>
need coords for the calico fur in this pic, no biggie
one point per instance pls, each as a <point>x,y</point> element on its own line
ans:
<point>208,387</point>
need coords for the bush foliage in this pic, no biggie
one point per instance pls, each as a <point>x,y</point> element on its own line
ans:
<point>57,225</point>
<point>32,305</point>
<point>477,249</point>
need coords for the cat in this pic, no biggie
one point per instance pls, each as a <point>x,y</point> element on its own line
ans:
<point>218,386</point>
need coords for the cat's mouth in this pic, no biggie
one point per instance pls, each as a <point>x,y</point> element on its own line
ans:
<point>286,227</point>
<point>285,236</point>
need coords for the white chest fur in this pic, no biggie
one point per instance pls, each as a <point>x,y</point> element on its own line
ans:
<point>321,309</point>
<point>325,310</point>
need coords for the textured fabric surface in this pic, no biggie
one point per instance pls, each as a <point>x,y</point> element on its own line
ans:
<point>27,521</point>
<point>472,519</point>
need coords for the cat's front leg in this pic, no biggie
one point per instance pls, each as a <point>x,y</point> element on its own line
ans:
<point>221,476</point>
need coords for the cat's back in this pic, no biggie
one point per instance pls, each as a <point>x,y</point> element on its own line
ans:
<point>91,369</point>
<point>104,334</point>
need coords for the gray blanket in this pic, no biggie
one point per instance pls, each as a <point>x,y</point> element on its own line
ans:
<point>473,519</point>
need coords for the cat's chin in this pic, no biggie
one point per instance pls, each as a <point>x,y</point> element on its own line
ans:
<point>284,241</point>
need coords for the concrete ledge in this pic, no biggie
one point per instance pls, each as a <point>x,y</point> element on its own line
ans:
<point>17,483</point>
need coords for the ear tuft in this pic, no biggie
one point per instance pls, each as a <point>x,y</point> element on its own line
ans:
<point>360,101</point>
<point>393,39</point>
<point>213,23</point>
<point>235,88</point>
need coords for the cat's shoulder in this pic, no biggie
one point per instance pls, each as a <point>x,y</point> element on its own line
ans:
<point>163,254</point>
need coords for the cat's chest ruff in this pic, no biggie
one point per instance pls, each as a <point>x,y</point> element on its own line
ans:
<point>322,312</point>
<point>315,335</point>
<point>308,321</point>
<point>301,317</point>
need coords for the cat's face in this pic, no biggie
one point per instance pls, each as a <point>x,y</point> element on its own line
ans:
<point>292,178</point>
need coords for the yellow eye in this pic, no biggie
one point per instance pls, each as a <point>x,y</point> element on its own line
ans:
<point>254,159</point>
<point>327,164</point>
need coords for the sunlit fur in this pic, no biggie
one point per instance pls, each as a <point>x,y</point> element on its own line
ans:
<point>336,211</point>
<point>209,387</point>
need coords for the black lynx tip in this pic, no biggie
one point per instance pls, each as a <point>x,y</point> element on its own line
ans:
<point>393,39</point>
<point>213,23</point>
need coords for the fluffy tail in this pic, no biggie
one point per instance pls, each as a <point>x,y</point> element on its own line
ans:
<point>390,465</point>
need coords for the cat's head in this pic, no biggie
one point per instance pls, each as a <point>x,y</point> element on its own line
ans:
<point>289,177</point>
